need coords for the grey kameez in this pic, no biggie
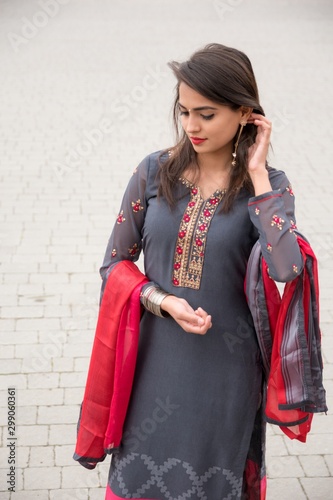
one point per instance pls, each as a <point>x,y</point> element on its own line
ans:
<point>195,399</point>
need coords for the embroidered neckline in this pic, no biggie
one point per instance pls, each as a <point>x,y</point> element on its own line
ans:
<point>191,185</point>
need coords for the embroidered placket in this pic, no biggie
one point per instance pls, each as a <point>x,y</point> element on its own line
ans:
<point>192,235</point>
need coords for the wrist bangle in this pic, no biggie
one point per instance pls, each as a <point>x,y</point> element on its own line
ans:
<point>151,299</point>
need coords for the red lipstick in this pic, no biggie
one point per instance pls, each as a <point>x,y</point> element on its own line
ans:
<point>197,140</point>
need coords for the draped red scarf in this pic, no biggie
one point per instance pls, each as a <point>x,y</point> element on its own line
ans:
<point>112,366</point>
<point>290,340</point>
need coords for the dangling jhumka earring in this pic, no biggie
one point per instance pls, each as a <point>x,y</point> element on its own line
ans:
<point>234,154</point>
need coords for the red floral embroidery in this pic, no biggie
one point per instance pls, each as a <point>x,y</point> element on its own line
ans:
<point>136,206</point>
<point>186,218</point>
<point>292,226</point>
<point>213,201</point>
<point>134,250</point>
<point>121,217</point>
<point>181,234</point>
<point>290,190</point>
<point>277,221</point>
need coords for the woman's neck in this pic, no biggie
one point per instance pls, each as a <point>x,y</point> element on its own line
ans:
<point>213,173</point>
<point>215,163</point>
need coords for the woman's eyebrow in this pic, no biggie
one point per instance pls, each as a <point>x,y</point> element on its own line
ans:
<point>200,108</point>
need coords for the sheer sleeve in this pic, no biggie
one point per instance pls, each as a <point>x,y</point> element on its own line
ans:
<point>273,214</point>
<point>125,242</point>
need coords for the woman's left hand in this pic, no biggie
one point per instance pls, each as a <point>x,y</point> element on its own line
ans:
<point>257,153</point>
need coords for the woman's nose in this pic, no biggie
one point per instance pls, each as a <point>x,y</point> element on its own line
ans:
<point>193,124</point>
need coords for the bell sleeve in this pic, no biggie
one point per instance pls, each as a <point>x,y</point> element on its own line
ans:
<point>273,214</point>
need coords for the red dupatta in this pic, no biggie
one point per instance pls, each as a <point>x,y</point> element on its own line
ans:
<point>112,366</point>
<point>290,341</point>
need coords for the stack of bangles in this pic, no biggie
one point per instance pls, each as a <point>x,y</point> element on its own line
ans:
<point>151,298</point>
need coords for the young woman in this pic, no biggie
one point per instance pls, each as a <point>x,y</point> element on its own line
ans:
<point>194,427</point>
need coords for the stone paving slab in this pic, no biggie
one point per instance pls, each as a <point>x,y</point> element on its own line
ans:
<point>86,94</point>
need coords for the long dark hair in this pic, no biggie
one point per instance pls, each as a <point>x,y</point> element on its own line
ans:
<point>223,75</point>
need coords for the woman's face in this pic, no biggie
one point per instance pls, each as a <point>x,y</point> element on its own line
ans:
<point>210,127</point>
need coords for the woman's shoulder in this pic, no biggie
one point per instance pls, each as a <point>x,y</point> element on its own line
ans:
<point>152,161</point>
<point>148,169</point>
<point>278,178</point>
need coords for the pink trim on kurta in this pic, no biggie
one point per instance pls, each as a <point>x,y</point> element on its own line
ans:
<point>279,195</point>
<point>263,488</point>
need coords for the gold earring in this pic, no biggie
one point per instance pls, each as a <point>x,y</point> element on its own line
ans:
<point>234,154</point>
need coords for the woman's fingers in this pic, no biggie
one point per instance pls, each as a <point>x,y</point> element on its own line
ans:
<point>197,329</point>
<point>191,321</point>
<point>205,316</point>
<point>255,116</point>
<point>201,313</point>
<point>192,318</point>
<point>194,322</point>
<point>257,153</point>
<point>260,121</point>
<point>204,322</point>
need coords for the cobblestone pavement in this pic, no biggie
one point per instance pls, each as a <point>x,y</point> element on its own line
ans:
<point>86,94</point>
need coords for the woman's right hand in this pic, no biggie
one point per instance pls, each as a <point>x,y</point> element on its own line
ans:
<point>190,320</point>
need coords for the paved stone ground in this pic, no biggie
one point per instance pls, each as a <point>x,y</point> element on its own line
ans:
<point>85,95</point>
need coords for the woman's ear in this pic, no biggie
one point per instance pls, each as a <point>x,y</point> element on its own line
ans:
<point>245,113</point>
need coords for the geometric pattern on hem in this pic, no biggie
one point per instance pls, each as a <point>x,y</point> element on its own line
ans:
<point>156,476</point>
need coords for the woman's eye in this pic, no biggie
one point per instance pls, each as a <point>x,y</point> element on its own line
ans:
<point>207,117</point>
